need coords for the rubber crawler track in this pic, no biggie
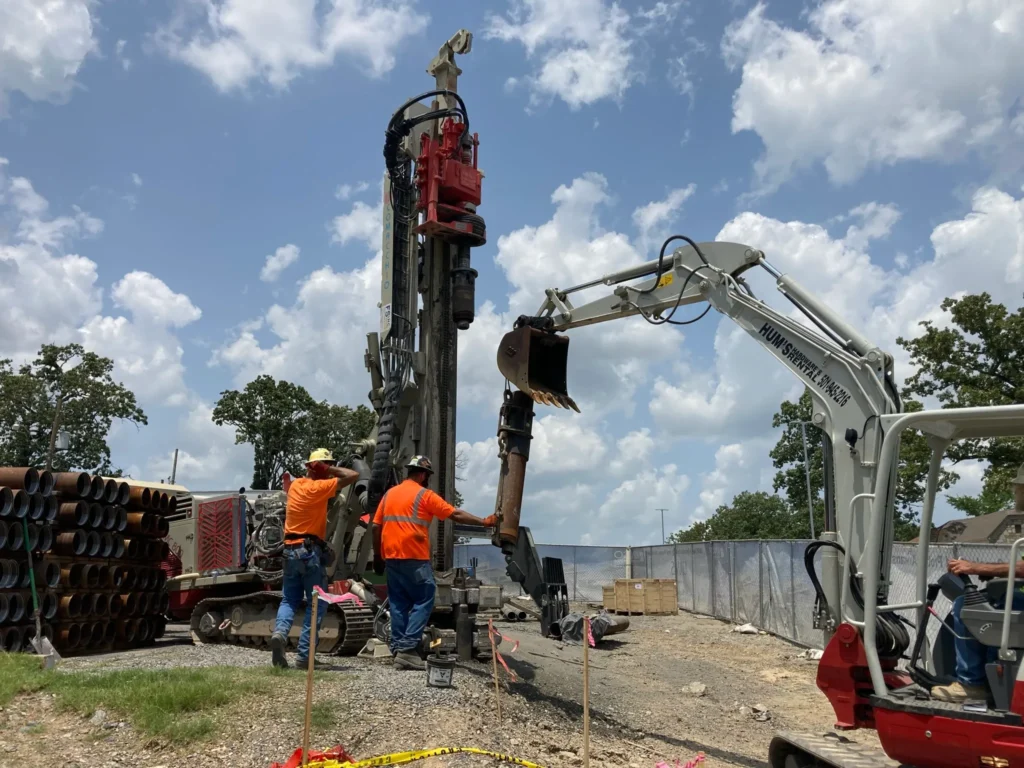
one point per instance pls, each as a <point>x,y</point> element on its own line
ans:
<point>356,624</point>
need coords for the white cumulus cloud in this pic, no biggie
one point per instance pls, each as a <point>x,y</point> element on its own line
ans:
<point>42,48</point>
<point>278,261</point>
<point>236,42</point>
<point>857,89</point>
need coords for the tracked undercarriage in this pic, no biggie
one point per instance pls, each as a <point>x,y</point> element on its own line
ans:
<point>249,620</point>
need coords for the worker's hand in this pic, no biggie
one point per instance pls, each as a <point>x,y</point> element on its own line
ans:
<point>490,521</point>
<point>960,567</point>
<point>379,566</point>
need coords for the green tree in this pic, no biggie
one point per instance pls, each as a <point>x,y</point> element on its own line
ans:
<point>69,387</point>
<point>752,515</point>
<point>976,361</point>
<point>283,423</point>
<point>788,458</point>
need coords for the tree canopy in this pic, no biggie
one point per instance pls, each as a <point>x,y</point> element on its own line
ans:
<point>976,361</point>
<point>751,515</point>
<point>69,387</point>
<point>284,423</point>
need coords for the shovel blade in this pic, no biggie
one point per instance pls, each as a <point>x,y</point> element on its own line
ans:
<point>535,362</point>
<point>44,648</point>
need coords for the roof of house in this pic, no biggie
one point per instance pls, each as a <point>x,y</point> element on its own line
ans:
<point>977,530</point>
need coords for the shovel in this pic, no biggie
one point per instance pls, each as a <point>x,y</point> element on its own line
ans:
<point>40,644</point>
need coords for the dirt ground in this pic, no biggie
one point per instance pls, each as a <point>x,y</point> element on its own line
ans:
<point>666,689</point>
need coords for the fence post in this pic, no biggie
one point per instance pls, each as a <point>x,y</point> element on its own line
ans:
<point>792,586</point>
<point>629,562</point>
<point>760,585</point>
<point>714,599</point>
<point>732,579</point>
<point>574,575</point>
<point>693,576</point>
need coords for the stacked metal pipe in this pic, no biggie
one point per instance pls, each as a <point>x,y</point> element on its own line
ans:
<point>98,577</point>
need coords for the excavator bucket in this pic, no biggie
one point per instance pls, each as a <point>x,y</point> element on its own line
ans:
<point>535,362</point>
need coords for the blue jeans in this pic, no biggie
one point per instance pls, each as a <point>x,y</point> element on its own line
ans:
<point>972,656</point>
<point>302,571</point>
<point>411,591</point>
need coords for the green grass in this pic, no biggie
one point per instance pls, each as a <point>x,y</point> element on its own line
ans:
<point>322,715</point>
<point>178,705</point>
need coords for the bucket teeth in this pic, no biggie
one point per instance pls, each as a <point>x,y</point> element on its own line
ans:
<point>568,402</point>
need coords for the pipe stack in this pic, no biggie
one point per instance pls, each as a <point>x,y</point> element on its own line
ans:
<point>104,586</point>
<point>26,496</point>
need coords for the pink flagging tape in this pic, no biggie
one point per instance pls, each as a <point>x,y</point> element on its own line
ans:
<point>348,597</point>
<point>689,764</point>
<point>494,635</point>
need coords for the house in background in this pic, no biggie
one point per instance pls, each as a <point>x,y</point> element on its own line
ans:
<point>996,528</point>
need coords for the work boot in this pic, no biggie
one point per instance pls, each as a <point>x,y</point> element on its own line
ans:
<point>409,660</point>
<point>278,643</point>
<point>956,692</point>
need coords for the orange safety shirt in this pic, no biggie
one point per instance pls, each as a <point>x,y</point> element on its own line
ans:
<point>307,507</point>
<point>404,515</point>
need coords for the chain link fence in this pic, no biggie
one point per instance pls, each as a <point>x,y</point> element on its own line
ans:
<point>763,583</point>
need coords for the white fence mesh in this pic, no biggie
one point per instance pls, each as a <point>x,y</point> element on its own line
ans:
<point>763,583</point>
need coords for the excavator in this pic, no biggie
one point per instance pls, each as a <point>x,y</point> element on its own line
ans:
<point>876,670</point>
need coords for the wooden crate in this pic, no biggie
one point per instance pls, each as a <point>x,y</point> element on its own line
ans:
<point>654,597</point>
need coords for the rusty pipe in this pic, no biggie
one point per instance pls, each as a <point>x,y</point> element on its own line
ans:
<point>15,537</point>
<point>92,543</point>
<point>48,605</point>
<point>128,579</point>
<point>70,606</point>
<point>122,520</point>
<point>3,607</point>
<point>69,636</point>
<point>129,603</point>
<point>71,543</point>
<point>144,631</point>
<point>118,546</point>
<point>131,548</point>
<point>116,606</point>
<point>161,579</point>
<point>96,633</point>
<point>140,496</point>
<point>152,548</point>
<point>91,576</point>
<point>73,514</point>
<point>78,484</point>
<point>31,541</point>
<point>106,545</point>
<point>96,513</point>
<point>47,574</point>
<point>16,607</point>
<point>45,538</point>
<point>88,604</point>
<point>45,482</point>
<point>115,577</point>
<point>22,502</point>
<point>515,431</point>
<point>73,575</point>
<point>172,505</point>
<point>9,574</point>
<point>110,517</point>
<point>102,576</point>
<point>124,493</point>
<point>140,522</point>
<point>101,605</point>
<point>24,478</point>
<point>52,506</point>
<point>24,575</point>
<point>36,506</point>
<point>6,502</point>
<point>142,579</point>
<point>10,639</point>
<point>110,490</point>
<point>165,502</point>
<point>97,488</point>
<point>159,625</point>
<point>165,604</point>
<point>162,527</point>
<point>124,629</point>
<point>109,633</point>
<point>3,534</point>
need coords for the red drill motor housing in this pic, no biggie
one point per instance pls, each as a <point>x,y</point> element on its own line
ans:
<point>448,183</point>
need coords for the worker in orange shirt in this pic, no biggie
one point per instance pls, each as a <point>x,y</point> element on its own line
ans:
<point>305,551</point>
<point>401,546</point>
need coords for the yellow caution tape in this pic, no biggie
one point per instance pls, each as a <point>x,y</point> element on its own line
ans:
<point>400,758</point>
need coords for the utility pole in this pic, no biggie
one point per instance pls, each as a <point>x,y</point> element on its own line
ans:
<point>53,431</point>
<point>174,467</point>
<point>663,511</point>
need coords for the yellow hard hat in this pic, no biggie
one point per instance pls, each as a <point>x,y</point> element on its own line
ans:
<point>320,454</point>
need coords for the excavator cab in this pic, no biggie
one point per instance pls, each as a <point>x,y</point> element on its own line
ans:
<point>535,361</point>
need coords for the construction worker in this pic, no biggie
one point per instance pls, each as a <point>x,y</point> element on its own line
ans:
<point>305,551</point>
<point>401,528</point>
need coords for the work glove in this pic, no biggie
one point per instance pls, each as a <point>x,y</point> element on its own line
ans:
<point>378,565</point>
<point>490,521</point>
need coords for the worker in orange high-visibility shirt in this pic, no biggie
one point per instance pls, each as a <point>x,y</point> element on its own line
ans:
<point>305,551</point>
<point>401,546</point>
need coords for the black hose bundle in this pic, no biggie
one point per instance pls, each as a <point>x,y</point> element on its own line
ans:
<point>891,636</point>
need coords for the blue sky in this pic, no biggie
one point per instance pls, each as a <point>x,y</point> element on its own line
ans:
<point>192,187</point>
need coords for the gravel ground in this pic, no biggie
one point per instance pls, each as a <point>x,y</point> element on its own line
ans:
<point>665,689</point>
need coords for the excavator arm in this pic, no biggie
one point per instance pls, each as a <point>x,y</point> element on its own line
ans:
<point>850,380</point>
